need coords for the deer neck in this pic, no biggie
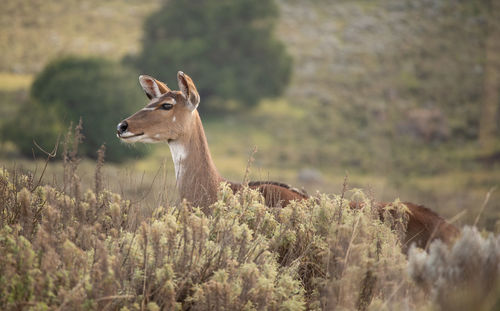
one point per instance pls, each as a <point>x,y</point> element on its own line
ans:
<point>196,175</point>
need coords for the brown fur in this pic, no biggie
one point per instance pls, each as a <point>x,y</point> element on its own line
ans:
<point>181,127</point>
<point>275,194</point>
<point>423,226</point>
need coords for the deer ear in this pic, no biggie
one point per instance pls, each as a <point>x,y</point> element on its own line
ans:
<point>188,89</point>
<point>152,87</point>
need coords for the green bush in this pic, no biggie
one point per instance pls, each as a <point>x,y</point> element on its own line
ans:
<point>33,123</point>
<point>98,91</point>
<point>227,47</point>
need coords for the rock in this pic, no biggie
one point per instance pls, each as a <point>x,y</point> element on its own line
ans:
<point>310,176</point>
<point>428,124</point>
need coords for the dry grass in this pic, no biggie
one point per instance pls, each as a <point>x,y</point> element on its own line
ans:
<point>14,82</point>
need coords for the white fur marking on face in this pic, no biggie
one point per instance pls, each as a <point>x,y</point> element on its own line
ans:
<point>149,109</point>
<point>148,140</point>
<point>157,136</point>
<point>133,139</point>
<point>129,137</point>
<point>173,119</point>
<point>127,134</point>
<point>178,156</point>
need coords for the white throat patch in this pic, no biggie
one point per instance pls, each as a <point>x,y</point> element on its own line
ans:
<point>179,154</point>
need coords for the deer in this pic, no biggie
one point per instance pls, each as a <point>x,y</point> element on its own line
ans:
<point>171,117</point>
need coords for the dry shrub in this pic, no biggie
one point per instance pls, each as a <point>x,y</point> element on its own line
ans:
<point>68,249</point>
<point>98,251</point>
<point>463,277</point>
<point>346,258</point>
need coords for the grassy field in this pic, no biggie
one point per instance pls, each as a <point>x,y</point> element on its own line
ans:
<point>458,190</point>
<point>452,192</point>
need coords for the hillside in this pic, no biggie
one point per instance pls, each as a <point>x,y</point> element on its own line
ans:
<point>36,31</point>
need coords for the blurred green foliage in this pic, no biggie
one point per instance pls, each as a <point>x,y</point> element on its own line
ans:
<point>100,92</point>
<point>228,47</point>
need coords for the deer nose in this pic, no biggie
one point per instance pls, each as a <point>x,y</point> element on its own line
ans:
<point>122,127</point>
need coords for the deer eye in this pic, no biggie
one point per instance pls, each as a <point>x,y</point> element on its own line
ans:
<point>166,106</point>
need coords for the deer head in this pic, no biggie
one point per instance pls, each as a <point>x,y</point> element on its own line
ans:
<point>167,117</point>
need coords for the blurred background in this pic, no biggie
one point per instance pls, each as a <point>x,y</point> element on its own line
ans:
<point>400,96</point>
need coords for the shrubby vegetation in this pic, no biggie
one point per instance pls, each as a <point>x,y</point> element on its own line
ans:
<point>70,248</point>
<point>92,249</point>
<point>98,91</point>
<point>464,277</point>
<point>228,47</point>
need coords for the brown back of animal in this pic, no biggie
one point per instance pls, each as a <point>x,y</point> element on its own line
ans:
<point>423,227</point>
<point>275,194</point>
